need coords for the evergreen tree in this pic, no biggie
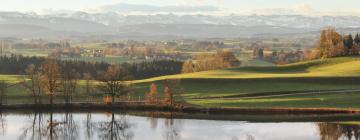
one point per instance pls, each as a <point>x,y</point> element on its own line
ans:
<point>348,43</point>
<point>357,39</point>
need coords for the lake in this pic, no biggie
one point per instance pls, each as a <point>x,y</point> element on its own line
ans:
<point>169,126</point>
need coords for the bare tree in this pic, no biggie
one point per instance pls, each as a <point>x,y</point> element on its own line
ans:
<point>50,77</point>
<point>87,77</point>
<point>174,90</point>
<point>88,86</point>
<point>69,82</point>
<point>3,86</point>
<point>34,85</point>
<point>114,81</point>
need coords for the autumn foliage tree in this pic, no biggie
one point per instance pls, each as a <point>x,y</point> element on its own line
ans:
<point>152,94</point>
<point>168,97</point>
<point>173,91</point>
<point>114,81</point>
<point>50,77</point>
<point>330,44</point>
<point>204,62</point>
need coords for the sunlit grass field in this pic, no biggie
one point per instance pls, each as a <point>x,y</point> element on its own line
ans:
<point>210,88</point>
<point>338,100</point>
<point>336,67</point>
<point>327,74</point>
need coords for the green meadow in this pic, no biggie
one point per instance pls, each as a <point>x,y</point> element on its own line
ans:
<point>249,87</point>
<point>260,87</point>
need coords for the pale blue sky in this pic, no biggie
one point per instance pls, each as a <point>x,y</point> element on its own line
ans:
<point>318,5</point>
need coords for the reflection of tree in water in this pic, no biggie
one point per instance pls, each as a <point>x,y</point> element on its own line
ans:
<point>172,128</point>
<point>50,129</point>
<point>3,124</point>
<point>35,129</point>
<point>332,131</point>
<point>68,129</point>
<point>89,126</point>
<point>115,129</point>
<point>153,119</point>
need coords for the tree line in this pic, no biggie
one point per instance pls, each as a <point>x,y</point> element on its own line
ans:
<point>205,62</point>
<point>16,64</point>
<point>333,44</point>
<point>54,81</point>
<point>172,91</point>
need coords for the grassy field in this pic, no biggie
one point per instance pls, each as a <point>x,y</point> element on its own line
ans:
<point>329,74</point>
<point>338,100</point>
<point>214,88</point>
<point>337,67</point>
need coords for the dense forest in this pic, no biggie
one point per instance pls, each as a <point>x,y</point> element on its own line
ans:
<point>16,64</point>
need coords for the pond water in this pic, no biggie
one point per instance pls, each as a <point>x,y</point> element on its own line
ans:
<point>120,126</point>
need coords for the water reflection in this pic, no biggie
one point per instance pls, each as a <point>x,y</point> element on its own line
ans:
<point>34,129</point>
<point>116,128</point>
<point>172,127</point>
<point>3,125</point>
<point>89,126</point>
<point>333,131</point>
<point>161,126</point>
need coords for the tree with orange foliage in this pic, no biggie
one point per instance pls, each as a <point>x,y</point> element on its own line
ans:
<point>173,91</point>
<point>152,95</point>
<point>114,81</point>
<point>169,99</point>
<point>330,44</point>
<point>50,77</point>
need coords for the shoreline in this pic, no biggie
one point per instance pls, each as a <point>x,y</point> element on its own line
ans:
<point>182,109</point>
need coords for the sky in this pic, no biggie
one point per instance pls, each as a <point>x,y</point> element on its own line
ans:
<point>323,6</point>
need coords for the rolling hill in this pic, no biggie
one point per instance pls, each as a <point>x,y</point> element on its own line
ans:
<point>327,83</point>
<point>335,67</point>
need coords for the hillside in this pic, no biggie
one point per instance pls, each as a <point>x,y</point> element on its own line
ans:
<point>329,83</point>
<point>325,83</point>
<point>335,67</point>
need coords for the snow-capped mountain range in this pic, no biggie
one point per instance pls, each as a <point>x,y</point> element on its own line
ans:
<point>188,25</point>
<point>292,21</point>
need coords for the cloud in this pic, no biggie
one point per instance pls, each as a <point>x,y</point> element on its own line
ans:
<point>299,9</point>
<point>125,8</point>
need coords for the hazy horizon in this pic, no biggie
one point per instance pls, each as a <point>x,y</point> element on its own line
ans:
<point>208,7</point>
